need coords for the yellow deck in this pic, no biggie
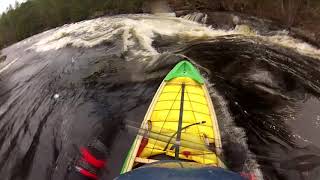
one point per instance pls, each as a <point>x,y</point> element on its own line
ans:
<point>163,114</point>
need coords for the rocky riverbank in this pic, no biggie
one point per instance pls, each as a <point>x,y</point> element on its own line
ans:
<point>300,17</point>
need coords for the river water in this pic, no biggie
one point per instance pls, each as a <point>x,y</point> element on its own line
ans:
<point>61,88</point>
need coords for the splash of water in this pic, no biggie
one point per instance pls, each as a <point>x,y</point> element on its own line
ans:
<point>197,17</point>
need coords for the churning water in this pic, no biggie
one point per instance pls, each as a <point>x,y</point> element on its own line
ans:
<point>59,88</point>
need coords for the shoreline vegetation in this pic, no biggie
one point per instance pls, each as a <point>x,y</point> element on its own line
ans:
<point>35,16</point>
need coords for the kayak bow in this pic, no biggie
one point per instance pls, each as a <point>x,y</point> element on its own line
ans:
<point>182,112</point>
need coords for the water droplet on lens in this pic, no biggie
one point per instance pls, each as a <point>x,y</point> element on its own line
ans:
<point>56,96</point>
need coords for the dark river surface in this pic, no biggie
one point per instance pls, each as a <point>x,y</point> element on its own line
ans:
<point>89,78</point>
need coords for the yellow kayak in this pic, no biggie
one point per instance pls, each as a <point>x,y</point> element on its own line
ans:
<point>179,124</point>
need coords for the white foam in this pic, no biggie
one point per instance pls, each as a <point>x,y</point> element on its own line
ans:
<point>137,32</point>
<point>234,133</point>
<point>298,45</point>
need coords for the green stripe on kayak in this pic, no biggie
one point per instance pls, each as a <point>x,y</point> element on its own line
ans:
<point>125,164</point>
<point>184,69</point>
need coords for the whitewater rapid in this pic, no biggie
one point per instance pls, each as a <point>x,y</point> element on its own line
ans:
<point>138,32</point>
<point>93,71</point>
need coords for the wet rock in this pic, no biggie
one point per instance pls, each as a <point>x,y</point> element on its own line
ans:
<point>181,13</point>
<point>220,20</point>
<point>2,58</point>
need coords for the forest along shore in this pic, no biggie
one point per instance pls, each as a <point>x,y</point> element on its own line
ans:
<point>300,17</point>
